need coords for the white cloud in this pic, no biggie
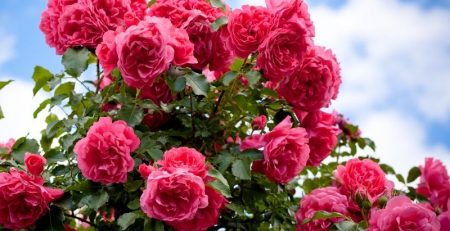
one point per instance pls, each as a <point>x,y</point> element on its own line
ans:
<point>395,60</point>
<point>18,105</point>
<point>6,47</point>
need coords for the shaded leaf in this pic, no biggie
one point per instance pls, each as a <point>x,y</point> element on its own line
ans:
<point>126,220</point>
<point>413,174</point>
<point>198,83</point>
<point>241,169</point>
<point>76,61</point>
<point>41,107</point>
<point>40,76</point>
<point>221,184</point>
<point>131,114</point>
<point>4,83</point>
<point>65,88</point>
<point>22,146</point>
<point>219,22</point>
<point>96,200</point>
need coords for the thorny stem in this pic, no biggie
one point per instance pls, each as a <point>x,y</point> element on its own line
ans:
<point>99,79</point>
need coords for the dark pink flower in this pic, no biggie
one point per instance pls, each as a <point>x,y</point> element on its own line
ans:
<point>435,183</point>
<point>322,134</point>
<point>248,27</point>
<point>285,152</point>
<point>259,122</point>
<point>322,199</point>
<point>291,11</point>
<point>315,84</point>
<point>401,213</point>
<point>145,170</point>
<point>205,217</point>
<point>175,196</point>
<point>185,158</point>
<point>146,50</point>
<point>283,51</point>
<point>23,199</point>
<point>34,163</point>
<point>364,178</point>
<point>104,155</point>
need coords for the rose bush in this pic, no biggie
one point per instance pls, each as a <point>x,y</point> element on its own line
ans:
<point>191,115</point>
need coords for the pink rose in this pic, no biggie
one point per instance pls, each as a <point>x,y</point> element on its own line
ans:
<point>401,213</point>
<point>145,170</point>
<point>6,148</point>
<point>313,85</point>
<point>322,136</point>
<point>185,158</point>
<point>175,196</point>
<point>146,50</point>
<point>322,199</point>
<point>283,50</point>
<point>444,220</point>
<point>107,55</point>
<point>196,16</point>
<point>363,177</point>
<point>291,11</point>
<point>221,55</point>
<point>81,25</point>
<point>34,163</point>
<point>435,183</point>
<point>158,91</point>
<point>23,199</point>
<point>104,155</point>
<point>72,23</point>
<point>259,122</point>
<point>205,217</point>
<point>285,152</point>
<point>248,27</point>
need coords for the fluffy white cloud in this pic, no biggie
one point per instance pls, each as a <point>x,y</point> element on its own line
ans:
<point>7,42</point>
<point>395,65</point>
<point>18,105</point>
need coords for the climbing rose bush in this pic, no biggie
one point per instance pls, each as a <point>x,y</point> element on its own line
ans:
<point>188,115</point>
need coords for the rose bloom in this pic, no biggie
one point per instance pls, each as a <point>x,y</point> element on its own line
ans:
<point>363,177</point>
<point>196,17</point>
<point>188,159</point>
<point>34,163</point>
<point>322,136</point>
<point>322,199</point>
<point>145,170</point>
<point>259,122</point>
<point>175,196</point>
<point>401,213</point>
<point>313,85</point>
<point>444,220</point>
<point>435,183</point>
<point>104,155</point>
<point>293,11</point>
<point>23,199</point>
<point>285,152</point>
<point>283,50</point>
<point>72,23</point>
<point>248,27</point>
<point>6,148</point>
<point>147,49</point>
<point>205,217</point>
<point>107,55</point>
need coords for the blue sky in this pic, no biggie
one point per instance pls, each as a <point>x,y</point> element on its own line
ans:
<point>395,56</point>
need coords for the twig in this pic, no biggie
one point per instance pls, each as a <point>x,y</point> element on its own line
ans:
<point>81,219</point>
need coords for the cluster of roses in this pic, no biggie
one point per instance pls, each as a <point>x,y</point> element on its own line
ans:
<point>361,186</point>
<point>23,196</point>
<point>176,193</point>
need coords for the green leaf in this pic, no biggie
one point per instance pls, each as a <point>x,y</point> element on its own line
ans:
<point>131,114</point>
<point>387,169</point>
<point>237,64</point>
<point>179,84</point>
<point>156,154</point>
<point>324,215</point>
<point>76,61</point>
<point>221,184</point>
<point>22,146</point>
<point>400,178</point>
<point>96,200</point>
<point>241,169</point>
<point>217,4</point>
<point>1,113</point>
<point>54,156</point>
<point>41,76</point>
<point>198,83</point>
<point>65,89</point>
<point>238,208</point>
<point>126,220</point>
<point>253,78</point>
<point>4,83</point>
<point>219,22</point>
<point>134,204</point>
<point>413,174</point>
<point>228,77</point>
<point>41,107</point>
<point>345,226</point>
<point>132,185</point>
